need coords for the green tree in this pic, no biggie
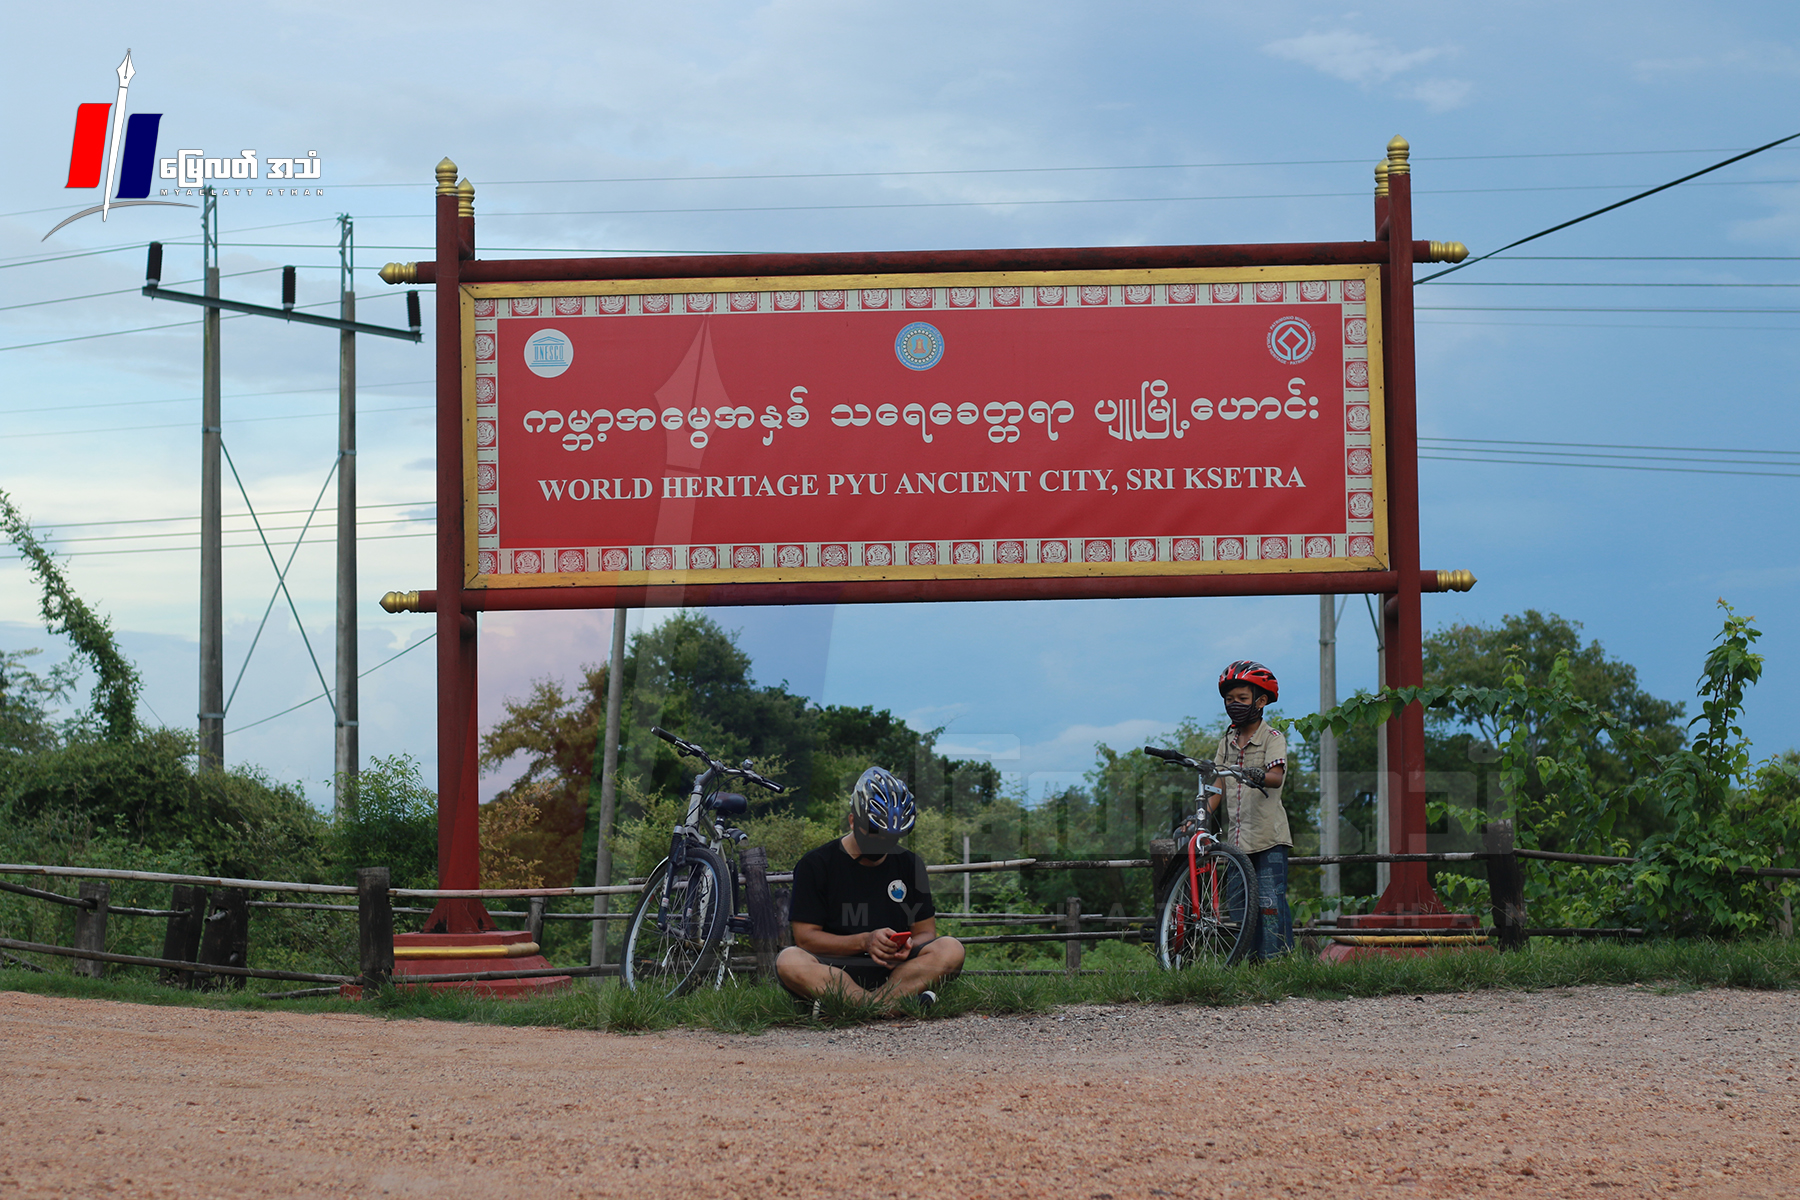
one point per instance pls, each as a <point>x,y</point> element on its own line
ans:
<point>114,703</point>
<point>688,675</point>
<point>1477,656</point>
<point>388,819</point>
<point>27,700</point>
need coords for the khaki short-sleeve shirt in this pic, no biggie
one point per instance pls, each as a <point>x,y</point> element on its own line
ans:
<point>1253,821</point>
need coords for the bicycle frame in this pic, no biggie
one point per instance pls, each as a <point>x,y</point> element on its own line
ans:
<point>1197,846</point>
<point>691,831</point>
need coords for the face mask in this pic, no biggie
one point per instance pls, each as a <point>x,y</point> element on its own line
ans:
<point>1241,714</point>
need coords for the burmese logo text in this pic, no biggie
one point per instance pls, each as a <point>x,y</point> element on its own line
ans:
<point>112,150</point>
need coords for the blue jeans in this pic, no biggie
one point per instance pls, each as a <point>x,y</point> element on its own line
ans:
<point>1271,867</point>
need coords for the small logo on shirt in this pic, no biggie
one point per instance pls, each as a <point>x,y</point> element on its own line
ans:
<point>897,891</point>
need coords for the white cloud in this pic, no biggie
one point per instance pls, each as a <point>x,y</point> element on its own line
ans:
<point>1351,57</point>
<point>1441,95</point>
<point>1366,61</point>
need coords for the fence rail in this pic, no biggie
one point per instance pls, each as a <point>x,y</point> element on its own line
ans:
<point>208,925</point>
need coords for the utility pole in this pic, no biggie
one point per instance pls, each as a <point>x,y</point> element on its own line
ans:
<point>1383,784</point>
<point>1328,751</point>
<point>346,761</point>
<point>212,606</point>
<point>212,531</point>
<point>609,778</point>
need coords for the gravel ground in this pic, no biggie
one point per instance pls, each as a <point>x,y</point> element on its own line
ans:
<point>1568,1093</point>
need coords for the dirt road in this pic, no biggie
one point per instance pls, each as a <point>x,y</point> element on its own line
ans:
<point>1595,1092</point>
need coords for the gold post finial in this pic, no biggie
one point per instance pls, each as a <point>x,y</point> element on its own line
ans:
<point>1398,153</point>
<point>465,199</point>
<point>1455,581</point>
<point>1452,252</point>
<point>1381,174</point>
<point>446,177</point>
<point>396,602</point>
<point>400,273</point>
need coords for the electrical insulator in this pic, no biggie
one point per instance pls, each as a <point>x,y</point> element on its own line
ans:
<point>287,287</point>
<point>153,268</point>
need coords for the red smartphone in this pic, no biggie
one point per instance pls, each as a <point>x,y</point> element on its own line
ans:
<point>901,938</point>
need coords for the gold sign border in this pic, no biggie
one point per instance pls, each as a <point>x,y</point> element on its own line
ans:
<point>1370,274</point>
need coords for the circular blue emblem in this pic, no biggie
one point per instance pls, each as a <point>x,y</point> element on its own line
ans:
<point>897,890</point>
<point>919,346</point>
<point>1291,340</point>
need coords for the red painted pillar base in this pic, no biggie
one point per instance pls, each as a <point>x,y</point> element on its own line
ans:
<point>1401,925</point>
<point>438,954</point>
<point>458,916</point>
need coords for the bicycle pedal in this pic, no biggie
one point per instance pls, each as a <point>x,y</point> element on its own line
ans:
<point>738,924</point>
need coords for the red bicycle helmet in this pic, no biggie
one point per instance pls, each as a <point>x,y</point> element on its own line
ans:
<point>1248,671</point>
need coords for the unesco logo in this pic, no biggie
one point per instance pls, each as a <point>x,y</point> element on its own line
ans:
<point>548,353</point>
<point>1291,340</point>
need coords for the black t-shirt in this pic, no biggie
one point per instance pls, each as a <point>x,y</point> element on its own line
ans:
<point>842,896</point>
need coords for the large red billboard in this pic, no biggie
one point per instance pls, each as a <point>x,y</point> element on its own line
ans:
<point>915,426</point>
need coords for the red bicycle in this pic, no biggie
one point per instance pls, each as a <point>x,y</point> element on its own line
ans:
<point>1211,911</point>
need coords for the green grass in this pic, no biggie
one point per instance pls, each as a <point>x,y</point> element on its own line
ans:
<point>1663,967</point>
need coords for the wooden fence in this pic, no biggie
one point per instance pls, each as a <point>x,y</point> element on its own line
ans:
<point>206,939</point>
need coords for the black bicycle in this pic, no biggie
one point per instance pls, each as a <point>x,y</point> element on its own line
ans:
<point>1211,911</point>
<point>685,922</point>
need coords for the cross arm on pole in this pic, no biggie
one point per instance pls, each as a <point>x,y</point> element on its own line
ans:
<point>154,289</point>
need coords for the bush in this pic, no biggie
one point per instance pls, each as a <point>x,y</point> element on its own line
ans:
<point>389,819</point>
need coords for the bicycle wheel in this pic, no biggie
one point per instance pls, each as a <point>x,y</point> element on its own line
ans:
<point>673,941</point>
<point>1212,916</point>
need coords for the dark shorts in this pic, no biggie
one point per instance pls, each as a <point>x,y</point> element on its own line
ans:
<point>863,970</point>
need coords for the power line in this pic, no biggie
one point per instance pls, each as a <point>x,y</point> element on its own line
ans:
<point>1593,309</point>
<point>324,695</point>
<point>1303,162</point>
<point>382,537</point>
<point>1610,446</point>
<point>1025,203</point>
<point>4,412</point>
<point>1651,258</point>
<point>1565,325</point>
<point>1610,207</point>
<point>1616,284</point>
<point>1530,462</point>
<point>88,337</point>
<point>277,512</point>
<point>129,291</point>
<point>31,260</point>
<point>52,540</point>
<point>189,424</point>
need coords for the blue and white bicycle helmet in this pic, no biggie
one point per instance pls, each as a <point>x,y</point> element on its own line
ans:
<point>882,807</point>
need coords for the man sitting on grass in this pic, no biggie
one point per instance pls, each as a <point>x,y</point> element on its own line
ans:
<point>864,923</point>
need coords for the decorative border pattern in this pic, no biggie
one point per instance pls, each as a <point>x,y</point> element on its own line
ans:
<point>1360,546</point>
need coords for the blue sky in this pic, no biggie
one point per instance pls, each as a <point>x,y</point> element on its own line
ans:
<point>842,126</point>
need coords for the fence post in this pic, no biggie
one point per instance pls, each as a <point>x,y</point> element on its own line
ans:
<point>1506,885</point>
<point>225,941</point>
<point>1071,923</point>
<point>765,931</point>
<point>534,920</point>
<point>90,926</point>
<point>374,926</point>
<point>181,941</point>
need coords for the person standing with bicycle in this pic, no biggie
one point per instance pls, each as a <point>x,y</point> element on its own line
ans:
<point>1255,821</point>
<point>864,922</point>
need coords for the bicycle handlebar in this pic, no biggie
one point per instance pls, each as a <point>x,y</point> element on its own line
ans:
<point>694,751</point>
<point>1208,770</point>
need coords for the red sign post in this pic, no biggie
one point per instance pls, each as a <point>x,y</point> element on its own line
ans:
<point>1170,421</point>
